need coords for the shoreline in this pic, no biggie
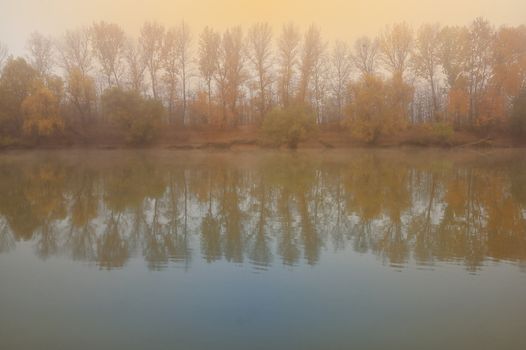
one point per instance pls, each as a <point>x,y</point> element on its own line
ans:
<point>249,138</point>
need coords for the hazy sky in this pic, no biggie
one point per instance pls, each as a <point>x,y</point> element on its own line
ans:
<point>343,19</point>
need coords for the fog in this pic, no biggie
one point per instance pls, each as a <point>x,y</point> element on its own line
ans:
<point>339,19</point>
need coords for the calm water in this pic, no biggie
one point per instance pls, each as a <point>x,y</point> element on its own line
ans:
<point>308,250</point>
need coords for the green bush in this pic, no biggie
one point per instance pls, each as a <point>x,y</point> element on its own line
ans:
<point>443,131</point>
<point>139,117</point>
<point>289,125</point>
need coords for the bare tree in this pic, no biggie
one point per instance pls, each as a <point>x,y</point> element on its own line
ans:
<point>135,64</point>
<point>75,50</point>
<point>183,41</point>
<point>478,63</point>
<point>341,65</point>
<point>288,51</point>
<point>40,53</point>
<point>260,55</point>
<point>109,42</point>
<point>151,41</point>
<point>396,44</point>
<point>365,55</point>
<point>209,42</point>
<point>426,58</point>
<point>320,86</point>
<point>230,74</point>
<point>170,64</point>
<point>452,52</point>
<point>4,54</point>
<point>313,48</point>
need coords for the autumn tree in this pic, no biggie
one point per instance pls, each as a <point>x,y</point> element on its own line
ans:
<point>288,52</point>
<point>81,94</point>
<point>378,108</point>
<point>16,83</point>
<point>260,55</point>
<point>41,113</point>
<point>151,42</point>
<point>108,43</point>
<point>518,114</point>
<point>508,67</point>
<point>209,42</point>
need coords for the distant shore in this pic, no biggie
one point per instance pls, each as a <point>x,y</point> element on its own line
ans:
<point>249,138</point>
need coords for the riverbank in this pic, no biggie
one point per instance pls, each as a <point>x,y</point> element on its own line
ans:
<point>249,137</point>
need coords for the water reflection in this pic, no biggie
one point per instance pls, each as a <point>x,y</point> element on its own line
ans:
<point>265,208</point>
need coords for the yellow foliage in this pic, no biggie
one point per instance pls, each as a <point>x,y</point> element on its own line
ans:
<point>378,107</point>
<point>41,113</point>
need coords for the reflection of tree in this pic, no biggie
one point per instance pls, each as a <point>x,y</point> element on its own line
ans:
<point>260,253</point>
<point>112,247</point>
<point>231,216</point>
<point>211,246</point>
<point>277,207</point>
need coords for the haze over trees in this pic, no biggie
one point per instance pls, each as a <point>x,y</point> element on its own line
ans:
<point>456,78</point>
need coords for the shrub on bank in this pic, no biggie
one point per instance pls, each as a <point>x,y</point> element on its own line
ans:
<point>137,116</point>
<point>288,126</point>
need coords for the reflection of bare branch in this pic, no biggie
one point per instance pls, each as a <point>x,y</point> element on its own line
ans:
<point>7,240</point>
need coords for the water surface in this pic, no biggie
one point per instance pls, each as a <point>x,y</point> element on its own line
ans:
<point>411,249</point>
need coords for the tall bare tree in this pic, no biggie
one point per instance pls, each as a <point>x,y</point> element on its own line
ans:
<point>183,42</point>
<point>341,66</point>
<point>135,65</point>
<point>209,42</point>
<point>288,51</point>
<point>151,41</point>
<point>313,48</point>
<point>170,64</point>
<point>4,53</point>
<point>396,44</point>
<point>230,74</point>
<point>41,53</point>
<point>260,55</point>
<point>365,55</point>
<point>478,65</point>
<point>75,50</point>
<point>109,43</point>
<point>426,59</point>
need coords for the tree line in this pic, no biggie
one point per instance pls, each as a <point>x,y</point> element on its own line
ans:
<point>448,77</point>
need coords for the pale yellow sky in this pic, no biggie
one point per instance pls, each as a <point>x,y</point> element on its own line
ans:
<point>338,19</point>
